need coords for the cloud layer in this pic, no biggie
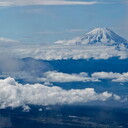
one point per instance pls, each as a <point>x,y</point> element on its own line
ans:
<point>13,94</point>
<point>58,52</point>
<point>49,77</point>
<point>115,77</point>
<point>44,2</point>
<point>54,76</point>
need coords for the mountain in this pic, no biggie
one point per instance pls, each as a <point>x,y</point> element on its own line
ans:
<point>98,36</point>
<point>104,36</point>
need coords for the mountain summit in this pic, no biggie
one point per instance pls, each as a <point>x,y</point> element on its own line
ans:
<point>98,36</point>
<point>104,36</point>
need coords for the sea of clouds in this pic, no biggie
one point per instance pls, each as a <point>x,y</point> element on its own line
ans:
<point>59,52</point>
<point>14,94</point>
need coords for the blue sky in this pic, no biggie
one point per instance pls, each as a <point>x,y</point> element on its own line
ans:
<point>43,21</point>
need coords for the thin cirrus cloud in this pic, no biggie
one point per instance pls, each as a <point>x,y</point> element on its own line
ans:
<point>44,2</point>
<point>55,32</point>
<point>7,40</point>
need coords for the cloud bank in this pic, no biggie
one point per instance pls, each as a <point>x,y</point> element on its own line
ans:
<point>49,77</point>
<point>44,2</point>
<point>115,77</point>
<point>13,94</point>
<point>54,76</point>
<point>59,52</point>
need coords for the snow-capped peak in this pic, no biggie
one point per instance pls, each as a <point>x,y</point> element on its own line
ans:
<point>98,30</point>
<point>98,36</point>
<point>104,36</point>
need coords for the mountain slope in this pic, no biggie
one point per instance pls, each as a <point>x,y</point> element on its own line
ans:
<point>98,36</point>
<point>104,36</point>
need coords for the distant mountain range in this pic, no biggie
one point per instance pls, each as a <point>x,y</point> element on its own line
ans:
<point>98,36</point>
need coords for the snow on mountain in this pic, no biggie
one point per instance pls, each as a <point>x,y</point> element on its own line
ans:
<point>98,36</point>
<point>104,36</point>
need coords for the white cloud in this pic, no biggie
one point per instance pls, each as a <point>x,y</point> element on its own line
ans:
<point>54,76</point>
<point>46,32</point>
<point>26,108</point>
<point>59,51</point>
<point>44,2</point>
<point>40,109</point>
<point>105,75</point>
<point>115,77</point>
<point>68,42</point>
<point>57,32</point>
<point>116,97</point>
<point>8,42</point>
<point>75,30</point>
<point>123,78</point>
<point>13,94</point>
